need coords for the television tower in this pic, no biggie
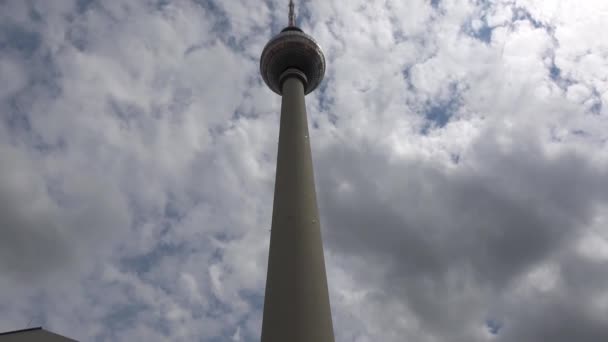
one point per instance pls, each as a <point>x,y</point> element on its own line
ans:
<point>296,302</point>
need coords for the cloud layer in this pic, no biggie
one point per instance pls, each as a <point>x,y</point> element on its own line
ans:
<point>460,155</point>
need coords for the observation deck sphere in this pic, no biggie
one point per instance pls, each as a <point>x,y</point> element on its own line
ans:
<point>292,48</point>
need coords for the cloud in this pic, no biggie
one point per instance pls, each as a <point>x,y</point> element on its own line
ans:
<point>447,240</point>
<point>459,148</point>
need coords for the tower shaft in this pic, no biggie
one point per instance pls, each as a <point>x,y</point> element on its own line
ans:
<point>296,303</point>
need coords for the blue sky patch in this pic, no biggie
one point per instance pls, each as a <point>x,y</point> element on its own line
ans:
<point>482,33</point>
<point>19,39</point>
<point>493,326</point>
<point>555,72</point>
<point>596,108</point>
<point>438,114</point>
<point>520,13</point>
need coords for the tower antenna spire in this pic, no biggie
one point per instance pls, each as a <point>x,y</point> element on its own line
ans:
<point>292,15</point>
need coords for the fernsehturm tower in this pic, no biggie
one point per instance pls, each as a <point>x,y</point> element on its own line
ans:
<point>296,303</point>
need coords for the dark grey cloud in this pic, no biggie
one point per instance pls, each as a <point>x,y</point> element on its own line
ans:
<point>438,230</point>
<point>574,310</point>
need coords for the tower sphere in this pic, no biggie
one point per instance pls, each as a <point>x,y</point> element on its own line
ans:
<point>292,49</point>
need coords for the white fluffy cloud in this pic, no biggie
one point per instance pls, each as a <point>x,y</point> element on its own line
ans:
<point>460,156</point>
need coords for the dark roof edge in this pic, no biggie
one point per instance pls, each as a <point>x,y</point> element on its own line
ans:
<point>21,330</point>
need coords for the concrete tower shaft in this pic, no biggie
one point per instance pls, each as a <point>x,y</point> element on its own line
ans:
<point>296,302</point>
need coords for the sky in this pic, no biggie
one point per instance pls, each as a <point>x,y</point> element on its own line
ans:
<point>460,154</point>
